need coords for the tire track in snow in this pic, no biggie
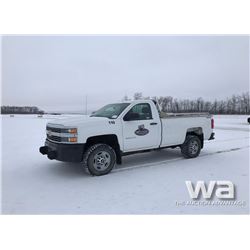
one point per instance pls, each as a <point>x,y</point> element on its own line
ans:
<point>225,151</point>
<point>232,139</point>
<point>146,165</point>
<point>159,163</point>
<point>233,128</point>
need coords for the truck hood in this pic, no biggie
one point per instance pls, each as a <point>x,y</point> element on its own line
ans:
<point>76,121</point>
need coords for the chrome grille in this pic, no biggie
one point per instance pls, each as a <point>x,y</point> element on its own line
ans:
<point>54,138</point>
<point>58,134</point>
<point>53,129</point>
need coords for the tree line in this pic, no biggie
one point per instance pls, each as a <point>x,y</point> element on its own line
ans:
<point>21,110</point>
<point>236,104</point>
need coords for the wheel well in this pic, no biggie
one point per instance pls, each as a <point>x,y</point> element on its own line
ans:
<point>110,140</point>
<point>197,132</point>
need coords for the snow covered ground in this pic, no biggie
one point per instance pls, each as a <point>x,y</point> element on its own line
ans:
<point>149,183</point>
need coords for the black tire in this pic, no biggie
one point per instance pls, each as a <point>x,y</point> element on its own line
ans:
<point>191,147</point>
<point>248,120</point>
<point>99,159</point>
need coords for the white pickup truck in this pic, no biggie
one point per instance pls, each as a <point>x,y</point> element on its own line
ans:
<point>100,140</point>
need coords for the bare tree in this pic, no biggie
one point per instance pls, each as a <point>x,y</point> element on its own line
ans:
<point>236,104</point>
<point>137,96</point>
<point>125,98</point>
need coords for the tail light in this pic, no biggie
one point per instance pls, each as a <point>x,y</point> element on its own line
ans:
<point>212,123</point>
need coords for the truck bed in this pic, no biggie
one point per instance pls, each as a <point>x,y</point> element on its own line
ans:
<point>164,115</point>
<point>174,130</point>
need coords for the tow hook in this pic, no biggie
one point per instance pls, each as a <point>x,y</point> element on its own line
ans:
<point>43,150</point>
<point>52,155</point>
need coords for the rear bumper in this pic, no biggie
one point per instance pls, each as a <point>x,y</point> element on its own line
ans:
<point>212,137</point>
<point>63,152</point>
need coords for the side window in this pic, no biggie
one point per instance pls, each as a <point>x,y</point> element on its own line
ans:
<point>143,111</point>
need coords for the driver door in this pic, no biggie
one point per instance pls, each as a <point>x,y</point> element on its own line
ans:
<point>140,129</point>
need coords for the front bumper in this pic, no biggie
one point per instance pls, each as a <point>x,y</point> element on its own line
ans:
<point>63,152</point>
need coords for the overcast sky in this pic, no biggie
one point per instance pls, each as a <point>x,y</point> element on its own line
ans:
<point>57,72</point>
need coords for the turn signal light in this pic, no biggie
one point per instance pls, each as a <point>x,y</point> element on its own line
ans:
<point>73,130</point>
<point>72,139</point>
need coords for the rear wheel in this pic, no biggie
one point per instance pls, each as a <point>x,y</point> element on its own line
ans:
<point>191,147</point>
<point>99,159</point>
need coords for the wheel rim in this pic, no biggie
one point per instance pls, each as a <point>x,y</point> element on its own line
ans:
<point>193,147</point>
<point>102,160</point>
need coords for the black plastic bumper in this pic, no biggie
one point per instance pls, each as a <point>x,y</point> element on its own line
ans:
<point>211,136</point>
<point>63,152</point>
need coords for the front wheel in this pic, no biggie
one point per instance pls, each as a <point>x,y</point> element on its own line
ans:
<point>191,147</point>
<point>99,159</point>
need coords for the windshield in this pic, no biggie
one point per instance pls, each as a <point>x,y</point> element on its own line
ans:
<point>111,111</point>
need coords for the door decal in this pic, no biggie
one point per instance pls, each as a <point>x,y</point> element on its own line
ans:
<point>141,130</point>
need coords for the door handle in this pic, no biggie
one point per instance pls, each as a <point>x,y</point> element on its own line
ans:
<point>153,123</point>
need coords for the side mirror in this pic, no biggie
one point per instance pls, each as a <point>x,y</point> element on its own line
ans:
<point>131,116</point>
